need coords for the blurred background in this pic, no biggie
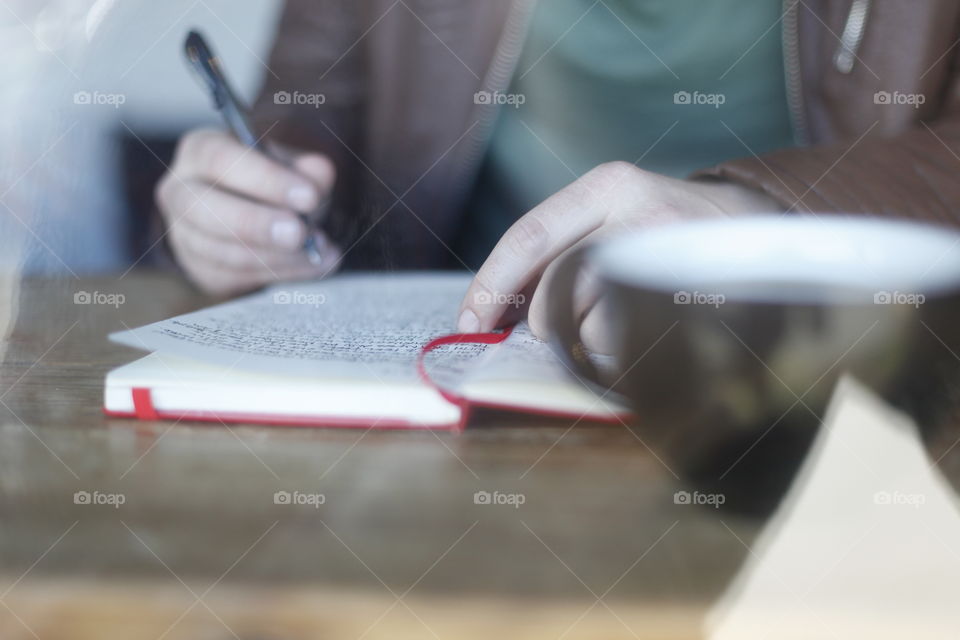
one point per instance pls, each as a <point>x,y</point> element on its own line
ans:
<point>93,106</point>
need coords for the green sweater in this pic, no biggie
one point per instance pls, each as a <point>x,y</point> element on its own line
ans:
<point>670,85</point>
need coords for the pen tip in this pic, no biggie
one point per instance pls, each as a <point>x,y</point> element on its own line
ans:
<point>194,44</point>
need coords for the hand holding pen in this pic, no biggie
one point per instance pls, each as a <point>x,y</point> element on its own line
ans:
<point>242,213</point>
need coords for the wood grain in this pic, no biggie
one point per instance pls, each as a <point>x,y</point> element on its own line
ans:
<point>598,519</point>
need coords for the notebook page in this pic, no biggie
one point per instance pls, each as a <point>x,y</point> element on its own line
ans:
<point>523,356</point>
<point>352,326</point>
<point>523,371</point>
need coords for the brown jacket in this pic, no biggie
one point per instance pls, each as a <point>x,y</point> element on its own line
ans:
<point>398,117</point>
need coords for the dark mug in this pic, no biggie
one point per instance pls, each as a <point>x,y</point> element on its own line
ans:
<point>729,336</point>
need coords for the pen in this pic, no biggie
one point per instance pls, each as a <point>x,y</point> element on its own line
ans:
<point>208,68</point>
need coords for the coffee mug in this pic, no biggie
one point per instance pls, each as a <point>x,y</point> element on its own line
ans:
<point>729,336</point>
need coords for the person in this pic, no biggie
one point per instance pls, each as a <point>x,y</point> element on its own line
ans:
<point>501,134</point>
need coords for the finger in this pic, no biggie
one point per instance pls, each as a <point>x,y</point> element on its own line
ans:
<point>231,217</point>
<point>516,311</point>
<point>586,288</point>
<point>316,167</point>
<point>590,309</point>
<point>213,278</point>
<point>219,280</point>
<point>533,242</point>
<point>215,157</point>
<point>595,329</point>
<point>322,172</point>
<point>319,169</point>
<point>195,246</point>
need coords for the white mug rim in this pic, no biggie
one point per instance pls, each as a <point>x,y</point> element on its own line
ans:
<point>826,253</point>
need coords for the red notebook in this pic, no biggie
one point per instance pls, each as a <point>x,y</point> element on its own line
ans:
<point>358,350</point>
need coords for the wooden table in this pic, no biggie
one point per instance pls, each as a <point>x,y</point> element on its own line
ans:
<point>199,549</point>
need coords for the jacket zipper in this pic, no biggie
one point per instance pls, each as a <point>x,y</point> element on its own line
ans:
<point>852,36</point>
<point>498,78</point>
<point>791,63</point>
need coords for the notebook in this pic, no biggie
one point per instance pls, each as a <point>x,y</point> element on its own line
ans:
<point>356,350</point>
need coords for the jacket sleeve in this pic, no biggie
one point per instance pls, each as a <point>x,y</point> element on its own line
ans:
<point>913,174</point>
<point>313,96</point>
<point>312,90</point>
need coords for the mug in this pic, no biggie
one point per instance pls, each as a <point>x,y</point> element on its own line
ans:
<point>729,336</point>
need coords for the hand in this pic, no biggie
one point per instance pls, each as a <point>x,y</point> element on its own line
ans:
<point>610,200</point>
<point>232,217</point>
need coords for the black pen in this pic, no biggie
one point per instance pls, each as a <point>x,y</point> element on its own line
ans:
<point>208,68</point>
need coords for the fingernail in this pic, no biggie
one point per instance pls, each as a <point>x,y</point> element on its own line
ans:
<point>301,197</point>
<point>468,322</point>
<point>287,234</point>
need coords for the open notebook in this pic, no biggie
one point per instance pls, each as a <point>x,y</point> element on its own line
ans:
<point>356,350</point>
